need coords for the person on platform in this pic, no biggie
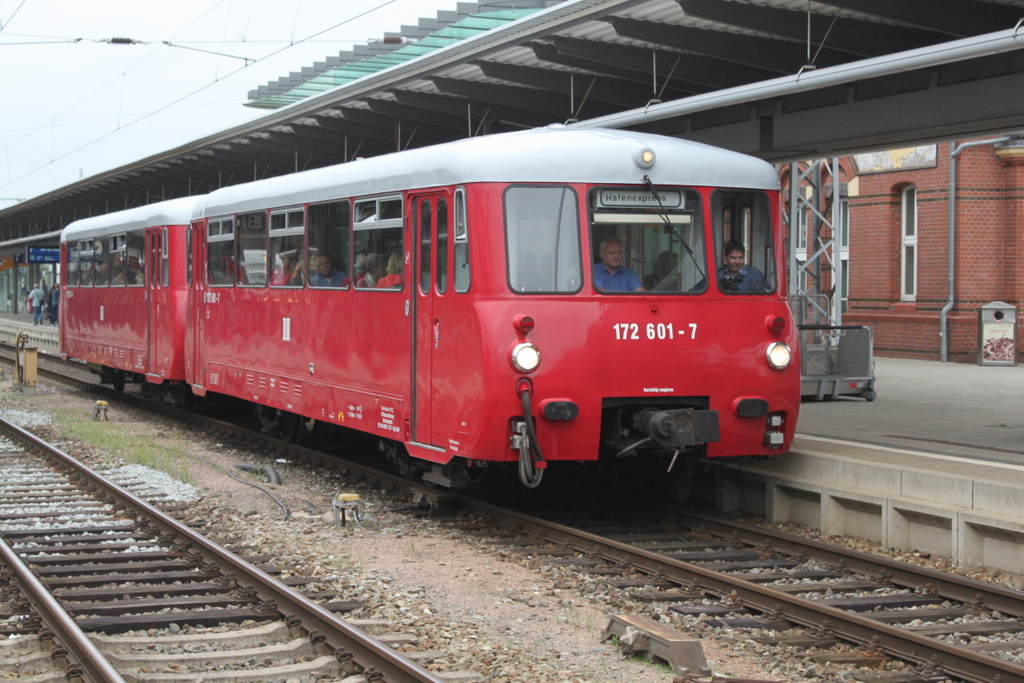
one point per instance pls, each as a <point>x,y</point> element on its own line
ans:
<point>36,297</point>
<point>54,303</point>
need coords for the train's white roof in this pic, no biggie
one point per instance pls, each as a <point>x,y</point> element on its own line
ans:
<point>554,154</point>
<point>170,212</point>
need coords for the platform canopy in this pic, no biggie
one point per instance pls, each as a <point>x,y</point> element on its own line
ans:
<point>780,79</point>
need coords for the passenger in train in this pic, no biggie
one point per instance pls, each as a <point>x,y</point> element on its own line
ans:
<point>735,275</point>
<point>393,280</point>
<point>286,273</point>
<point>609,273</point>
<point>326,275</point>
<point>375,270</point>
<point>359,267</point>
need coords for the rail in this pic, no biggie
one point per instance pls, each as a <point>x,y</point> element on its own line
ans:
<point>342,638</point>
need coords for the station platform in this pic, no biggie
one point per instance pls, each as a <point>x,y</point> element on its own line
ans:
<point>947,408</point>
<point>45,337</point>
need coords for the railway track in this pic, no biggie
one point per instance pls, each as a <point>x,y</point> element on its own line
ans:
<point>132,578</point>
<point>803,592</point>
<point>726,574</point>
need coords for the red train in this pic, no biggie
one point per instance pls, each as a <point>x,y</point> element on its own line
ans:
<point>435,297</point>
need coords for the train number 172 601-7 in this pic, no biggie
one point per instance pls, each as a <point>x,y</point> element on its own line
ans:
<point>625,331</point>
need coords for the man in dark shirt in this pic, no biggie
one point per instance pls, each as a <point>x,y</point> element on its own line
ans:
<point>735,275</point>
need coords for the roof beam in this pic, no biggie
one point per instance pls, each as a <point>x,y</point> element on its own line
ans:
<point>454,125</point>
<point>692,73</point>
<point>598,87</point>
<point>536,100</point>
<point>780,57</point>
<point>958,18</point>
<point>471,108</point>
<point>857,37</point>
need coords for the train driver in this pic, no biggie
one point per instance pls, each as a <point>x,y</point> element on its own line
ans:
<point>609,273</point>
<point>735,275</point>
<point>326,275</point>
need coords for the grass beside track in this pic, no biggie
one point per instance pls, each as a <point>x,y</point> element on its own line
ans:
<point>136,442</point>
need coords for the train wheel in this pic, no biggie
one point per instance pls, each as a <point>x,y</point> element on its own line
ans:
<point>398,458</point>
<point>267,418</point>
<point>118,380</point>
<point>289,426</point>
<point>311,426</point>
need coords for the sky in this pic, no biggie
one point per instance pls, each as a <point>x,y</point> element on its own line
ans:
<point>75,105</point>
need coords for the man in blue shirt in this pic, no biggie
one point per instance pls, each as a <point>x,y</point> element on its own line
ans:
<point>609,273</point>
<point>326,275</point>
<point>736,276</point>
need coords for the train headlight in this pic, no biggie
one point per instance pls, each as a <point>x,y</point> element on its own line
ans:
<point>525,357</point>
<point>778,355</point>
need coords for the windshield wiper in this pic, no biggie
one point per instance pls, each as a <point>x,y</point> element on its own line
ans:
<point>671,228</point>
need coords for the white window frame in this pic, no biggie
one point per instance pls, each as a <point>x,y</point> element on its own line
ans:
<point>908,241</point>
<point>844,254</point>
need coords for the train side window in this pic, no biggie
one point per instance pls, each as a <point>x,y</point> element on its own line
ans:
<point>135,253</point>
<point>165,266</point>
<point>377,242</point>
<point>72,278</point>
<point>118,244</point>
<point>542,233</point>
<point>251,249</point>
<point>426,212</point>
<point>85,266</point>
<point>220,252</point>
<point>743,228</point>
<point>100,263</point>
<point>287,231</point>
<point>461,264</point>
<point>330,235</point>
<point>442,246</point>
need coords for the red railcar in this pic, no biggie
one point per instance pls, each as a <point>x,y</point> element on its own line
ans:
<point>125,293</point>
<point>435,297</point>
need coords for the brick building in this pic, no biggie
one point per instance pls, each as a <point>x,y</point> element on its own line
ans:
<point>898,245</point>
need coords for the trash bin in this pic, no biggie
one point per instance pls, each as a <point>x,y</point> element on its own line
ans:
<point>997,334</point>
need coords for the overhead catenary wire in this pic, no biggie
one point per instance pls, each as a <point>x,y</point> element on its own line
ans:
<point>178,100</point>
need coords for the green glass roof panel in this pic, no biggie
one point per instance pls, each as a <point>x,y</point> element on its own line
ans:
<point>345,73</point>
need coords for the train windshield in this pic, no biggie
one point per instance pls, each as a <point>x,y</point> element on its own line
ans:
<point>743,240</point>
<point>642,243</point>
<point>542,230</point>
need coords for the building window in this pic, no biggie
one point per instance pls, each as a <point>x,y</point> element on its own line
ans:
<point>844,254</point>
<point>908,255</point>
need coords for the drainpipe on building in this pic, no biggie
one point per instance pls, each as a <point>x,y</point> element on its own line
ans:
<point>954,152</point>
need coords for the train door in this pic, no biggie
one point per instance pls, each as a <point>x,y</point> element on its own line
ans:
<point>154,295</point>
<point>428,328</point>
<point>198,307</point>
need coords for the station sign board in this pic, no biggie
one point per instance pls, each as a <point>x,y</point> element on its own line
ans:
<point>6,263</point>
<point>44,254</point>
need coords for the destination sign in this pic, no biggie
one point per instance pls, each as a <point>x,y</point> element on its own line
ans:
<point>670,199</point>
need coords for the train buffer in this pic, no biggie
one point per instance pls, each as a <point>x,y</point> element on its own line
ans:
<point>342,505</point>
<point>648,638</point>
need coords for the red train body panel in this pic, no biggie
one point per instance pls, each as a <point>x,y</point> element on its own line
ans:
<point>126,292</point>
<point>492,248</point>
